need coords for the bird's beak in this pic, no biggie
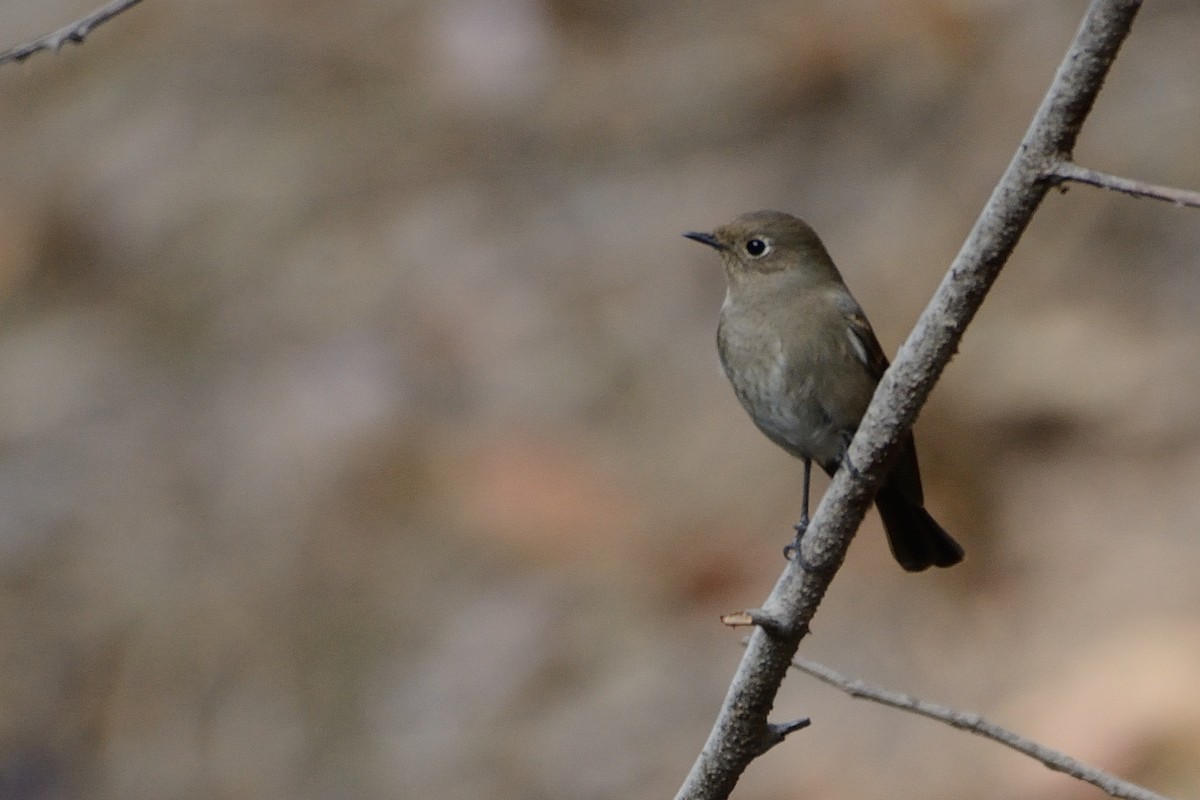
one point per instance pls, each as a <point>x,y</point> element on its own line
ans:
<point>705,238</point>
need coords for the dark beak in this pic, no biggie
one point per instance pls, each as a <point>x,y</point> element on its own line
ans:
<point>705,238</point>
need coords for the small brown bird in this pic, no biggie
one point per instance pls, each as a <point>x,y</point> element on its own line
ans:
<point>804,363</point>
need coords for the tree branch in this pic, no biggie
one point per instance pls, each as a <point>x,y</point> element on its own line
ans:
<point>1070,171</point>
<point>736,737</point>
<point>1055,760</point>
<point>74,32</point>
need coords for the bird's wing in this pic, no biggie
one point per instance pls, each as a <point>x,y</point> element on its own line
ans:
<point>865,345</point>
<point>905,474</point>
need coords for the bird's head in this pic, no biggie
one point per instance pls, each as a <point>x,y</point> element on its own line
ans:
<point>767,242</point>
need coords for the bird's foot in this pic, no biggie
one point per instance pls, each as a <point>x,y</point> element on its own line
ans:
<point>792,551</point>
<point>848,465</point>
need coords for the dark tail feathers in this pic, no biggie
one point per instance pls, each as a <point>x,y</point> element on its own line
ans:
<point>917,541</point>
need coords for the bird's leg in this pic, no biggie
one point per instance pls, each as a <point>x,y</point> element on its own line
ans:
<point>793,549</point>
<point>802,525</point>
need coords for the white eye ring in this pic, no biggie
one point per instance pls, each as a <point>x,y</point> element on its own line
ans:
<point>757,247</point>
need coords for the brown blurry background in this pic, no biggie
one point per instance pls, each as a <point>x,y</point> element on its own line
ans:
<point>361,432</point>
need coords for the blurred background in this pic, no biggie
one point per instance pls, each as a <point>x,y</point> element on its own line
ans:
<point>362,434</point>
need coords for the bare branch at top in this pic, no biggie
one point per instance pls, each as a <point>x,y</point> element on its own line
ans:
<point>74,32</point>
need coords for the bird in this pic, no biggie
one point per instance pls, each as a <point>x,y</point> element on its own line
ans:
<point>804,363</point>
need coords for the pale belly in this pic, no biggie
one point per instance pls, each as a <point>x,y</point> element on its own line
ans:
<point>782,402</point>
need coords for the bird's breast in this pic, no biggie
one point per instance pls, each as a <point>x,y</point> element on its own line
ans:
<point>777,385</point>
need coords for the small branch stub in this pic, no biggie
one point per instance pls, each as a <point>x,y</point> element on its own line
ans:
<point>772,624</point>
<point>776,732</point>
<point>738,619</point>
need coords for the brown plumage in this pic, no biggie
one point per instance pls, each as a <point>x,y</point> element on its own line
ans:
<point>804,363</point>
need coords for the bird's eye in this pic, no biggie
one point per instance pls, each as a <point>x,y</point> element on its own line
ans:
<point>756,248</point>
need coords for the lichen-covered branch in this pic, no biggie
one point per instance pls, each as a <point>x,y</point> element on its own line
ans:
<point>742,723</point>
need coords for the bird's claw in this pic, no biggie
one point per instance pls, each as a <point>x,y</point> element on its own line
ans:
<point>792,550</point>
<point>848,465</point>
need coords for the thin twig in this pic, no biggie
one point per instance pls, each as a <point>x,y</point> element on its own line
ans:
<point>74,32</point>
<point>969,721</point>
<point>737,734</point>
<point>1070,171</point>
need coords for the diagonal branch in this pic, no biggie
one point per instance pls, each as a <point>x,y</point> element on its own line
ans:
<point>964,720</point>
<point>742,725</point>
<point>74,32</point>
<point>1070,171</point>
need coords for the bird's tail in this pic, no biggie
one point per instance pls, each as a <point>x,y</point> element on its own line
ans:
<point>917,541</point>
